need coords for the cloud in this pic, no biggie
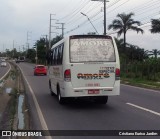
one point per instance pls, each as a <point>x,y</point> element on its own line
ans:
<point>147,40</point>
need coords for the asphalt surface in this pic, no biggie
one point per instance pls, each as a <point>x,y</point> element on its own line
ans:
<point>134,109</point>
<point>3,70</point>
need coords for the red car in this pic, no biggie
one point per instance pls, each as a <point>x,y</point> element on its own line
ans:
<point>40,69</point>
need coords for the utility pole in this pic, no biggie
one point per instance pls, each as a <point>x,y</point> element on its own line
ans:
<point>23,47</point>
<point>28,38</point>
<point>36,55</point>
<point>36,48</point>
<point>50,23</point>
<point>46,48</point>
<point>3,48</point>
<point>61,28</point>
<point>104,1</point>
<point>36,58</point>
<point>13,48</point>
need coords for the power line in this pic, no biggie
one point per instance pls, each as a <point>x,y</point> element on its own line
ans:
<point>94,16</point>
<point>77,12</point>
<point>78,17</point>
<point>70,14</point>
<point>141,7</point>
<point>113,9</point>
<point>153,3</point>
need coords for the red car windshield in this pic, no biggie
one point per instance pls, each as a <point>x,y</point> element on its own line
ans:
<point>40,67</point>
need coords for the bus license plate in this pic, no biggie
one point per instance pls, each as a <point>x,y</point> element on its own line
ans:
<point>93,91</point>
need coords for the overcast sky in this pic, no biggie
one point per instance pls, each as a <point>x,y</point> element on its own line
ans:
<point>17,17</point>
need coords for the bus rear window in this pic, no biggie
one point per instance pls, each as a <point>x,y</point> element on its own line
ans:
<point>91,50</point>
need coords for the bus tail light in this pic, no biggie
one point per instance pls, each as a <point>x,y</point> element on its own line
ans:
<point>67,75</point>
<point>117,74</point>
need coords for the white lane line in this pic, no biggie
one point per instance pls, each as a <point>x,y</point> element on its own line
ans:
<point>156,91</point>
<point>41,117</point>
<point>142,108</point>
<point>6,72</point>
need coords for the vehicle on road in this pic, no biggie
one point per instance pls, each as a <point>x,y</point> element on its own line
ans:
<point>20,59</point>
<point>3,64</point>
<point>85,66</point>
<point>40,70</point>
<point>3,60</point>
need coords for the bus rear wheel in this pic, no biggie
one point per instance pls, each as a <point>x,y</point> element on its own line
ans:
<point>61,99</point>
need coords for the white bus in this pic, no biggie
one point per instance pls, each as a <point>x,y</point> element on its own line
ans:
<point>85,66</point>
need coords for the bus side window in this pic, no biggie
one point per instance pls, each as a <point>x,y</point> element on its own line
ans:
<point>51,58</point>
<point>54,57</point>
<point>58,55</point>
<point>61,53</point>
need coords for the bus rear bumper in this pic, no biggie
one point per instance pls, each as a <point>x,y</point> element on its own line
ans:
<point>69,91</point>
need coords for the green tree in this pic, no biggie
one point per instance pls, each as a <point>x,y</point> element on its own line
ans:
<point>154,52</point>
<point>14,53</point>
<point>31,53</point>
<point>56,39</point>
<point>132,52</point>
<point>120,46</point>
<point>142,54</point>
<point>155,26</point>
<point>41,50</point>
<point>8,53</point>
<point>123,24</point>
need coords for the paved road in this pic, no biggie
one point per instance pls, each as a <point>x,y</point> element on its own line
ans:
<point>3,70</point>
<point>134,109</point>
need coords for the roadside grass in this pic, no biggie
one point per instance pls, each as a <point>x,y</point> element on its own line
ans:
<point>141,83</point>
<point>13,106</point>
<point>9,114</point>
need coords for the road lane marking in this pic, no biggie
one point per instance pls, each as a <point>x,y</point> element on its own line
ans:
<point>6,72</point>
<point>145,109</point>
<point>156,91</point>
<point>41,117</point>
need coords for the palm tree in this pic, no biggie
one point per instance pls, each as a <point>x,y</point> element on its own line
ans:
<point>123,24</point>
<point>154,52</point>
<point>144,54</point>
<point>155,27</point>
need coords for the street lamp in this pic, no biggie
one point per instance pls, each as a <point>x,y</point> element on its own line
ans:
<point>104,13</point>
<point>90,21</point>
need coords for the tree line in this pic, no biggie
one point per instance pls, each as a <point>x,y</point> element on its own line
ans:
<point>135,61</point>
